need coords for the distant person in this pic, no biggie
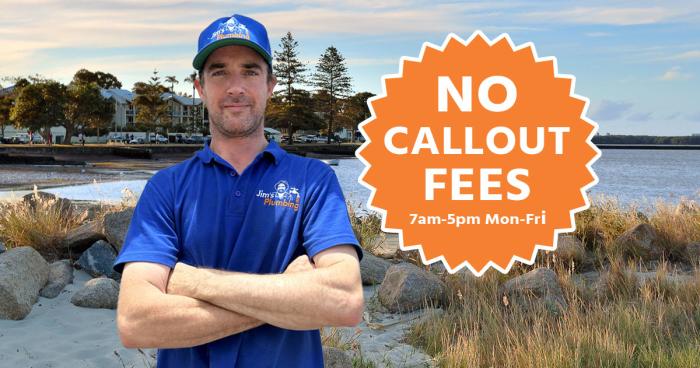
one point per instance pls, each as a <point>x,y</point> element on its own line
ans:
<point>217,271</point>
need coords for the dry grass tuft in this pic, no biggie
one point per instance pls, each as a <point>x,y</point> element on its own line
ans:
<point>367,228</point>
<point>42,226</point>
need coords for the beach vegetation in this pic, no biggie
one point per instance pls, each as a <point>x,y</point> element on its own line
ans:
<point>617,320</point>
<point>41,223</point>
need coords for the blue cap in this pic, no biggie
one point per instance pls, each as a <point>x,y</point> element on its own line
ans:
<point>234,30</point>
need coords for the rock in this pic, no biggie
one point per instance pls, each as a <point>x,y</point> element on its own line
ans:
<point>63,204</point>
<point>2,247</point>
<point>640,241</point>
<point>336,358</point>
<point>101,292</point>
<point>82,237</point>
<point>569,248</point>
<point>537,287</point>
<point>641,216</point>
<point>594,238</point>
<point>373,269</point>
<point>438,268</point>
<point>672,278</point>
<point>406,288</point>
<point>60,275</point>
<point>116,225</point>
<point>23,272</point>
<point>385,246</point>
<point>589,279</point>
<point>98,260</point>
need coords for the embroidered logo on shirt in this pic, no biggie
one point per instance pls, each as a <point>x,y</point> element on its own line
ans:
<point>283,195</point>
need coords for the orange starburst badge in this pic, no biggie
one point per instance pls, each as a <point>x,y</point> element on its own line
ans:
<point>478,153</point>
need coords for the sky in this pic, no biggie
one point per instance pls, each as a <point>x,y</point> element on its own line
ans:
<point>637,61</point>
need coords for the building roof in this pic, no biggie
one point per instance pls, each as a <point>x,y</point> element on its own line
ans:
<point>182,100</point>
<point>123,96</point>
<point>6,90</point>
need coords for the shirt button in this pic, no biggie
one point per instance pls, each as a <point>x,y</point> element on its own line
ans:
<point>233,173</point>
<point>238,193</point>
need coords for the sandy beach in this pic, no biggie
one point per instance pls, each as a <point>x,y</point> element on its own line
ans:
<point>58,334</point>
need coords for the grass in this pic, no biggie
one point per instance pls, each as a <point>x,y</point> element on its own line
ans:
<point>367,228</point>
<point>618,323</point>
<point>44,224</point>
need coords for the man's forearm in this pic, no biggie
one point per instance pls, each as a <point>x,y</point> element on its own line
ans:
<point>175,321</point>
<point>299,301</point>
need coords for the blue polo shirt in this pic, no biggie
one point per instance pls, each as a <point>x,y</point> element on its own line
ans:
<point>204,213</point>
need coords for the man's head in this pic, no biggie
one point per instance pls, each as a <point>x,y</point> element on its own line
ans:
<point>281,186</point>
<point>235,75</point>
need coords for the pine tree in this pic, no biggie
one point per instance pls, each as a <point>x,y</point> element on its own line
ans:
<point>332,81</point>
<point>289,72</point>
<point>152,110</point>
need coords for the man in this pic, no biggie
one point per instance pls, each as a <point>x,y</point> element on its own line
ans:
<point>216,272</point>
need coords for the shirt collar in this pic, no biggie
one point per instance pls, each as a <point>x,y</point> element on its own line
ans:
<point>273,151</point>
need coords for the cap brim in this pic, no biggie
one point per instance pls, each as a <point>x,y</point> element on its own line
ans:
<point>201,57</point>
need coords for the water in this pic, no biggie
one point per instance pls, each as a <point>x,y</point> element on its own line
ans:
<point>633,176</point>
<point>648,175</point>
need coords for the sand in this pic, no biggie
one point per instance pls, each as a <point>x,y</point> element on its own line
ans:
<point>58,334</point>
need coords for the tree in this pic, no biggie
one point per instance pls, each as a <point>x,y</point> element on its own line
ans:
<point>8,100</point>
<point>173,81</point>
<point>86,108</point>
<point>190,79</point>
<point>332,79</point>
<point>40,105</point>
<point>298,115</point>
<point>289,71</point>
<point>5,107</point>
<point>103,80</point>
<point>354,111</point>
<point>152,109</point>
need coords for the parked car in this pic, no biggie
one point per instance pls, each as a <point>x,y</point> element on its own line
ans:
<point>195,139</point>
<point>137,141</point>
<point>160,139</point>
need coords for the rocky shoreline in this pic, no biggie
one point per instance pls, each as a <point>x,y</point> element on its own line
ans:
<point>401,295</point>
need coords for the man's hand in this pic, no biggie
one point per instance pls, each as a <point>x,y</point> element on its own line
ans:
<point>183,280</point>
<point>300,264</point>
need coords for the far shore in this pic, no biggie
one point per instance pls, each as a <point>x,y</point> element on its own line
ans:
<point>102,166</point>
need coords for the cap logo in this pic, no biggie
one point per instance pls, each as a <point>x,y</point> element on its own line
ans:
<point>231,29</point>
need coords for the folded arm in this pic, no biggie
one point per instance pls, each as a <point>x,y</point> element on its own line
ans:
<point>329,293</point>
<point>147,317</point>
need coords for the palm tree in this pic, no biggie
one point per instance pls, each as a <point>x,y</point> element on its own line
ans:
<point>173,81</point>
<point>190,79</point>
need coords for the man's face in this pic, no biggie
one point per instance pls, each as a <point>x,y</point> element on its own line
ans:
<point>281,188</point>
<point>235,90</point>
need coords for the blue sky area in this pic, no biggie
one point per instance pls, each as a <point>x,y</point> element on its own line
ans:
<point>637,61</point>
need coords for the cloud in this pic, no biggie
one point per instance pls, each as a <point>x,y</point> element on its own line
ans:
<point>640,116</point>
<point>598,34</point>
<point>610,110</point>
<point>372,61</point>
<point>688,55</point>
<point>673,116</point>
<point>675,74</point>
<point>694,116</point>
<point>623,16</point>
